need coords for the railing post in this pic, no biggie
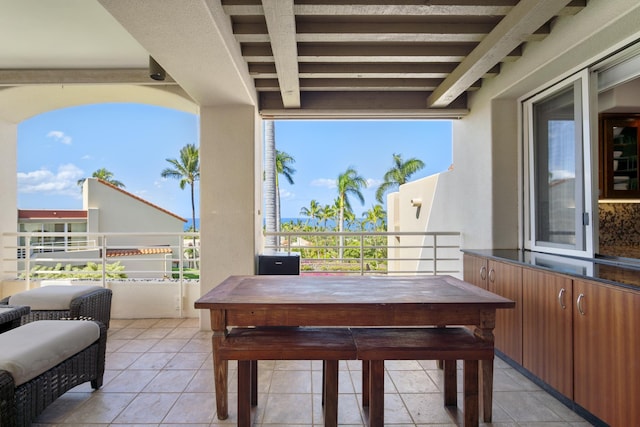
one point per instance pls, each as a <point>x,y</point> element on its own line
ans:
<point>27,262</point>
<point>181,270</point>
<point>104,261</point>
<point>362,254</point>
<point>435,254</point>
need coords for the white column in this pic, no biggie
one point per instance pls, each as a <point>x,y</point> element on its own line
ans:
<point>8,195</point>
<point>230,194</point>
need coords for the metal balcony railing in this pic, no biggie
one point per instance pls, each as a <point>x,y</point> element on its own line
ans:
<point>100,256</point>
<point>175,256</point>
<point>371,253</point>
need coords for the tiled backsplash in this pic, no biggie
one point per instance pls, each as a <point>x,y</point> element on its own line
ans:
<point>620,229</point>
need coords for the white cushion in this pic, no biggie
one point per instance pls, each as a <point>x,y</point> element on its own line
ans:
<point>50,297</point>
<point>36,347</point>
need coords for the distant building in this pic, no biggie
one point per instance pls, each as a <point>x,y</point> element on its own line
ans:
<point>106,210</point>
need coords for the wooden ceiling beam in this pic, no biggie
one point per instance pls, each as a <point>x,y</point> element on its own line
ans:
<point>523,20</point>
<point>135,76</point>
<point>281,23</point>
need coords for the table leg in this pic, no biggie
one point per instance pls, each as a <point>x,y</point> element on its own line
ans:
<point>220,367</point>
<point>485,331</point>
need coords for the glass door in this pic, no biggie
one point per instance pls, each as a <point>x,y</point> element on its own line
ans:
<point>559,168</point>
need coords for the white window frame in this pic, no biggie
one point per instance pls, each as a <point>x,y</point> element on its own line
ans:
<point>588,178</point>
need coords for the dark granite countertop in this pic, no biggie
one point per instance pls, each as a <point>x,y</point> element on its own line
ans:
<point>614,272</point>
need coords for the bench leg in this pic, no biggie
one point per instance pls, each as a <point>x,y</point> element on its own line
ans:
<point>365,383</point>
<point>244,393</point>
<point>486,381</point>
<point>376,390</point>
<point>471,417</point>
<point>330,391</point>
<point>450,383</point>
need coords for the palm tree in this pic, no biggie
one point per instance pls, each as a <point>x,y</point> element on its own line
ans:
<point>283,167</point>
<point>349,183</point>
<point>104,175</point>
<point>312,212</point>
<point>187,170</point>
<point>270,189</point>
<point>398,174</point>
<point>376,216</point>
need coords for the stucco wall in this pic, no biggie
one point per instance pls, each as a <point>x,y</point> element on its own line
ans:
<point>480,196</point>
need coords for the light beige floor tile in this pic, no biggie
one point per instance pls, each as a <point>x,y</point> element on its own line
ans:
<point>188,333</point>
<point>288,409</point>
<point>148,407</point>
<point>172,381</point>
<point>187,361</point>
<point>169,346</point>
<point>291,382</point>
<point>155,333</point>
<point>119,361</point>
<point>198,345</point>
<point>202,382</point>
<point>192,408</point>
<point>126,333</point>
<point>524,407</point>
<point>62,407</point>
<point>139,345</point>
<point>132,381</point>
<point>412,382</point>
<point>427,408</point>
<point>152,361</point>
<point>168,323</point>
<point>101,408</point>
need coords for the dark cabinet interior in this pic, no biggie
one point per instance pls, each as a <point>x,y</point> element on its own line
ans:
<point>619,140</point>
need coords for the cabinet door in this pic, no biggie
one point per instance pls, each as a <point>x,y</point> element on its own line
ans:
<point>606,352</point>
<point>506,280</point>
<point>475,270</point>
<point>547,328</point>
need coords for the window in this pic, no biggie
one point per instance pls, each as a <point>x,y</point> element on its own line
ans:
<point>559,178</point>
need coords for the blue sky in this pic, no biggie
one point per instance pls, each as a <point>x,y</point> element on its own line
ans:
<point>133,141</point>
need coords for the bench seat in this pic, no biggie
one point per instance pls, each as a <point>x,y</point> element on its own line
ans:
<point>375,345</point>
<point>248,345</point>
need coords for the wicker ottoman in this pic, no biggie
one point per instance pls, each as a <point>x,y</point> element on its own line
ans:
<point>40,361</point>
<point>11,316</point>
<point>65,302</point>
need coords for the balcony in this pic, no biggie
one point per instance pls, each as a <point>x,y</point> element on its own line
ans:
<point>161,269</point>
<point>160,373</point>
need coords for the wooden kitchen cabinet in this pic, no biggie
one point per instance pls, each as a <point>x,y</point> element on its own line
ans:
<point>606,351</point>
<point>547,328</point>
<point>506,280</point>
<point>475,270</point>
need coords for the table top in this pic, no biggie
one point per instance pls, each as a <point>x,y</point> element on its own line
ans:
<point>254,292</point>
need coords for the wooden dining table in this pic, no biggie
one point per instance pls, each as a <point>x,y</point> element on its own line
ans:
<point>351,301</point>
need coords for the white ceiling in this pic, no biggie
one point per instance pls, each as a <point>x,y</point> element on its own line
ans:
<point>303,58</point>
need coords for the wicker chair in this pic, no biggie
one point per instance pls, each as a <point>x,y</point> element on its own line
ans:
<point>11,316</point>
<point>93,305</point>
<point>19,406</point>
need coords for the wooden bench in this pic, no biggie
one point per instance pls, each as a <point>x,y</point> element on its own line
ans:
<point>375,345</point>
<point>248,345</point>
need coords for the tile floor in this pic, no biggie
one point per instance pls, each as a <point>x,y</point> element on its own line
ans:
<point>159,373</point>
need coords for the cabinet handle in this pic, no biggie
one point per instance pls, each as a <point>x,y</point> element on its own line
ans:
<point>579,304</point>
<point>561,298</point>
<point>483,272</point>
<point>492,275</point>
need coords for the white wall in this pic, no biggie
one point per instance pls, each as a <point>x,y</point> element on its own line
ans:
<point>480,196</point>
<point>230,193</point>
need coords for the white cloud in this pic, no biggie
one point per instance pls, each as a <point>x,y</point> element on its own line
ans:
<point>372,182</point>
<point>324,182</point>
<point>64,182</point>
<point>286,194</point>
<point>59,136</point>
